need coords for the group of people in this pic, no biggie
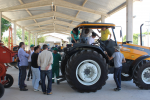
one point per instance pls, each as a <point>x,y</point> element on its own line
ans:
<point>75,33</point>
<point>41,64</point>
<point>44,63</point>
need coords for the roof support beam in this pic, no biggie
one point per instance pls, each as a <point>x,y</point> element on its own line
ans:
<point>45,27</point>
<point>123,5</point>
<point>50,27</point>
<point>40,23</point>
<point>46,32</point>
<point>79,11</point>
<point>51,22</point>
<point>69,5</point>
<point>29,5</point>
<point>51,14</point>
<point>28,11</point>
<point>56,29</point>
<point>44,15</point>
<point>60,3</point>
<point>65,33</point>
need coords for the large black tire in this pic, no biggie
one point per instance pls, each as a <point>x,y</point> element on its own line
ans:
<point>10,80</point>
<point>63,65</point>
<point>2,90</point>
<point>140,75</point>
<point>126,78</point>
<point>72,67</point>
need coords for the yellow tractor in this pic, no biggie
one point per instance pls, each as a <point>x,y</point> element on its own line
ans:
<point>86,67</point>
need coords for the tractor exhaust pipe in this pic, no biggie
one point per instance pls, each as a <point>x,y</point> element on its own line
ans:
<point>141,34</point>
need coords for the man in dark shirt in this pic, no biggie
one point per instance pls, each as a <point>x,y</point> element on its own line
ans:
<point>35,69</point>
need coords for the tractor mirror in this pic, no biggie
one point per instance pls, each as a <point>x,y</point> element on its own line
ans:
<point>120,33</point>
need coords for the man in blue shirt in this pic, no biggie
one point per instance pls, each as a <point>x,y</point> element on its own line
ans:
<point>23,57</point>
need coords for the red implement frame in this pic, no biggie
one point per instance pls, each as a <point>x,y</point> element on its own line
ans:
<point>6,56</point>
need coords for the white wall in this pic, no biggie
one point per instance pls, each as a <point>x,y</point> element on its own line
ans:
<point>51,39</point>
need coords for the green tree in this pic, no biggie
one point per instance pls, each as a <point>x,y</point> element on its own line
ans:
<point>5,40</point>
<point>19,34</point>
<point>135,37</point>
<point>41,39</point>
<point>4,25</point>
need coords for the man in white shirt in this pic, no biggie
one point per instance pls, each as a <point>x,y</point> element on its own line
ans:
<point>45,60</point>
<point>29,61</point>
<point>91,38</point>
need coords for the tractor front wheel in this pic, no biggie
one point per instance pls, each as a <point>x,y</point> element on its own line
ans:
<point>1,90</point>
<point>142,75</point>
<point>10,80</point>
<point>87,71</point>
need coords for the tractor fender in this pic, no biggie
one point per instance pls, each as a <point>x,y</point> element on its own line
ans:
<point>136,63</point>
<point>80,48</point>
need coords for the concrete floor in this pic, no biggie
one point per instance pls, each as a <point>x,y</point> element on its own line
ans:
<point>64,92</point>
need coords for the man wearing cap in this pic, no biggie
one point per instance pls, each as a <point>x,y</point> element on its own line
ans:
<point>118,60</point>
<point>29,61</point>
<point>55,65</point>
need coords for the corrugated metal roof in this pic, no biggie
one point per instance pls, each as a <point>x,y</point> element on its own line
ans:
<point>43,19</point>
<point>13,15</point>
<point>46,25</point>
<point>28,1</point>
<point>40,10</point>
<point>66,11</point>
<point>61,19</point>
<point>78,2</point>
<point>103,6</point>
<point>8,3</point>
<point>26,22</point>
<point>88,16</point>
<point>33,27</point>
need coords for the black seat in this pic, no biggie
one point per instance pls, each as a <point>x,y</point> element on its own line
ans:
<point>109,47</point>
<point>83,39</point>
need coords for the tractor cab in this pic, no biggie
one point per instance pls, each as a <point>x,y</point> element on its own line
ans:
<point>87,28</point>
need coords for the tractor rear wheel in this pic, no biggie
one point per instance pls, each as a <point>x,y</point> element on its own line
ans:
<point>63,64</point>
<point>142,75</point>
<point>2,90</point>
<point>125,77</point>
<point>87,71</point>
<point>10,80</point>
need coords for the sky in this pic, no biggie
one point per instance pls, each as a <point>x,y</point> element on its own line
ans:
<point>141,13</point>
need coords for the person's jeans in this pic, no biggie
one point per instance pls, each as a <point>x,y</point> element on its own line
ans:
<point>47,73</point>
<point>29,72</point>
<point>117,76</point>
<point>35,77</point>
<point>19,73</point>
<point>22,76</point>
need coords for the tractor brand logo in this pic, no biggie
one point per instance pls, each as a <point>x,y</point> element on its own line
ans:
<point>141,49</point>
<point>125,49</point>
